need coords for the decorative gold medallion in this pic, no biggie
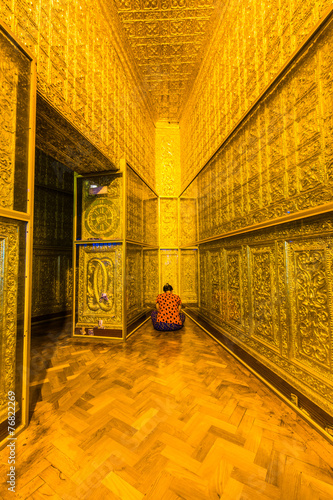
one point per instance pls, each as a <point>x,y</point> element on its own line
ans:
<point>102,218</point>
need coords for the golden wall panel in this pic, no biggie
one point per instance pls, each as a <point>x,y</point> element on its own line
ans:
<point>150,276</point>
<point>278,162</point>
<point>100,272</point>
<point>270,292</point>
<point>84,72</point>
<point>134,281</point>
<point>168,173</point>
<point>310,263</point>
<point>188,221</point>
<point>8,102</point>
<point>253,41</point>
<point>9,264</point>
<point>52,281</point>
<point>189,276</point>
<point>168,222</point>
<point>169,269</point>
<point>102,214</point>
<point>150,221</point>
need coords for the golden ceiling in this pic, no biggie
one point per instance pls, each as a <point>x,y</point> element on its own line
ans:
<point>167,38</point>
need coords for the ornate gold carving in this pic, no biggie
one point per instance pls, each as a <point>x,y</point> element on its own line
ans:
<point>280,280</point>
<point>101,213</point>
<point>189,276</point>
<point>8,104</point>
<point>150,276</point>
<point>167,160</point>
<point>310,267</point>
<point>251,44</point>
<point>168,222</point>
<point>89,79</point>
<point>169,268</point>
<point>100,272</point>
<point>150,221</point>
<point>188,221</point>
<point>9,256</point>
<point>263,290</point>
<point>134,282</point>
<point>166,38</point>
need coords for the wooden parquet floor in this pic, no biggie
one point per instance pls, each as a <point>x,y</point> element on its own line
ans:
<point>162,417</point>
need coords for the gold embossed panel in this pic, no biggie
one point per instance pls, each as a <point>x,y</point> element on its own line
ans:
<point>168,173</point>
<point>277,306</point>
<point>188,221</point>
<point>100,288</point>
<point>310,264</point>
<point>150,276</point>
<point>189,276</point>
<point>134,281</point>
<point>278,162</point>
<point>166,37</point>
<point>102,207</point>
<point>168,222</point>
<point>9,270</point>
<point>169,269</point>
<point>252,43</point>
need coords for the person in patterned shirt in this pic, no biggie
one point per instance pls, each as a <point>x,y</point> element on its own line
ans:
<point>168,316</point>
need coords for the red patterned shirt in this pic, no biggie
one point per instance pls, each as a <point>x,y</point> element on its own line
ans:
<point>168,308</point>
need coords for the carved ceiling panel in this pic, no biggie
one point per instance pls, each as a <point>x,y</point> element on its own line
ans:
<point>167,39</point>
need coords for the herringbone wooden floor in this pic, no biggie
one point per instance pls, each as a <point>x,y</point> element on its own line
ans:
<point>162,417</point>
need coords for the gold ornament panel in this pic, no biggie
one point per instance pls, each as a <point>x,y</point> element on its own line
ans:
<point>168,171</point>
<point>189,276</point>
<point>168,222</point>
<point>9,276</point>
<point>84,71</point>
<point>278,162</point>
<point>252,43</point>
<point>134,282</point>
<point>270,292</point>
<point>166,37</point>
<point>142,211</point>
<point>99,272</point>
<point>169,269</point>
<point>102,213</point>
<point>188,221</point>
<point>150,276</point>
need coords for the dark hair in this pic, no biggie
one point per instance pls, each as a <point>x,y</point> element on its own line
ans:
<point>167,288</point>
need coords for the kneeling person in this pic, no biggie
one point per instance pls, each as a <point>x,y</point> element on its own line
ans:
<point>168,316</point>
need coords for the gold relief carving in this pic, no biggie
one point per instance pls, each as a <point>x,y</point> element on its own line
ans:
<point>233,303</point>
<point>169,268</point>
<point>101,213</point>
<point>276,163</point>
<point>310,264</point>
<point>260,37</point>
<point>216,288</point>
<point>134,206</point>
<point>91,80</point>
<point>100,272</point>
<point>8,103</point>
<point>263,291</point>
<point>134,281</point>
<point>189,276</point>
<point>150,221</point>
<point>168,222</point>
<point>167,160</point>
<point>150,276</point>
<point>9,255</point>
<point>285,290</point>
<point>188,221</point>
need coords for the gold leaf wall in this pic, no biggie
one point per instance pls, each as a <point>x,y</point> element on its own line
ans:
<point>270,292</point>
<point>84,73</point>
<point>278,162</point>
<point>253,41</point>
<point>168,173</point>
